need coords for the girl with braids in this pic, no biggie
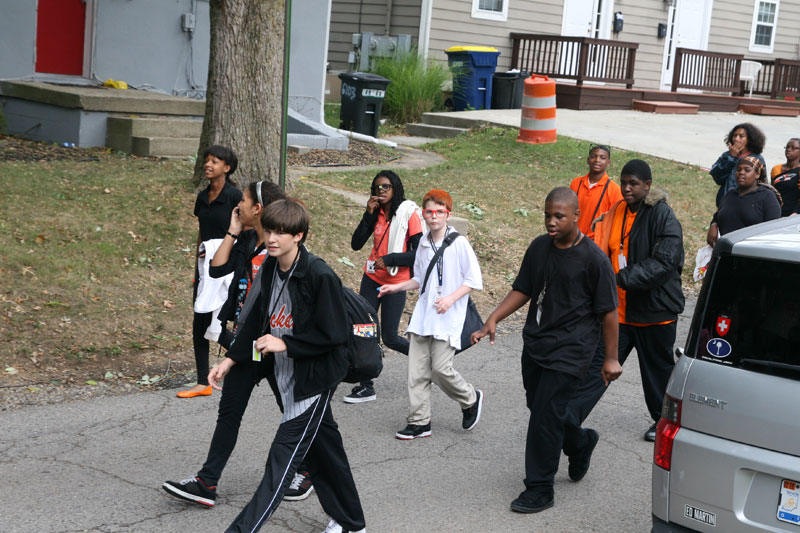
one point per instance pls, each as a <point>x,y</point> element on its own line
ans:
<point>396,227</point>
<point>743,140</point>
<point>213,210</point>
<point>785,178</point>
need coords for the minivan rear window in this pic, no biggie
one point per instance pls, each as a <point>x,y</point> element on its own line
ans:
<point>750,316</point>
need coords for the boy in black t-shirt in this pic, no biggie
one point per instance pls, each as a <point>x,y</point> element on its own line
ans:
<point>573,297</point>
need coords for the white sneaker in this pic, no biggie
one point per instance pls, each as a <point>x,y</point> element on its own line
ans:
<point>334,527</point>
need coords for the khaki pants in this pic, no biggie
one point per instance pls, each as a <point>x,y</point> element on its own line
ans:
<point>431,360</point>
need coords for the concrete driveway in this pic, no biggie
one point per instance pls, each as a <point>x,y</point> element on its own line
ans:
<point>695,139</point>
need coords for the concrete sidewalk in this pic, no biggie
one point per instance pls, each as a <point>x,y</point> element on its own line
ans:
<point>695,139</point>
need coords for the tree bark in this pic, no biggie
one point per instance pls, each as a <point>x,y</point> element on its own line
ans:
<point>244,95</point>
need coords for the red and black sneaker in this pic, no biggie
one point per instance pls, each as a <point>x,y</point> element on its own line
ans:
<point>193,489</point>
<point>300,487</point>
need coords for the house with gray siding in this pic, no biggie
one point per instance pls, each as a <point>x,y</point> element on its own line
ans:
<point>757,29</point>
<point>160,47</point>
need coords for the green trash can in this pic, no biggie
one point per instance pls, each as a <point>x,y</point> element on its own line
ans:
<point>362,99</point>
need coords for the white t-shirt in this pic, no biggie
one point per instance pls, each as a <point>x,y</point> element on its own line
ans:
<point>459,267</point>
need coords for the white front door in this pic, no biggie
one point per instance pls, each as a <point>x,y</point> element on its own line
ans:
<point>579,18</point>
<point>585,18</point>
<point>688,23</point>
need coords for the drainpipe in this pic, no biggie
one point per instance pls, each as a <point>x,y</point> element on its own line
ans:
<point>424,27</point>
<point>287,25</point>
<point>388,26</point>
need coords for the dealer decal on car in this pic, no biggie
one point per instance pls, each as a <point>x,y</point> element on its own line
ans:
<point>700,515</point>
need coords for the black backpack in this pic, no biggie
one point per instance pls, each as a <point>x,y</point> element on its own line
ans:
<point>364,351</point>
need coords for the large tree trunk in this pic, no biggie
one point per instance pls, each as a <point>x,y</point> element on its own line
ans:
<point>244,108</point>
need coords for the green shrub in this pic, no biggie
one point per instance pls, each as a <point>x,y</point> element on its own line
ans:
<point>416,86</point>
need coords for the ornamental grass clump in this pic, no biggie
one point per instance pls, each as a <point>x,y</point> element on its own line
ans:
<point>416,86</point>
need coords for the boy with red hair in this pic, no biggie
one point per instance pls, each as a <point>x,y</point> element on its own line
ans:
<point>438,318</point>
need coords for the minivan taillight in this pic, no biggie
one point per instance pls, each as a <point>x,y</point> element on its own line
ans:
<point>666,430</point>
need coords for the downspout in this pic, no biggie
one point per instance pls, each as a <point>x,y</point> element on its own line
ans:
<point>388,26</point>
<point>285,96</point>
<point>424,36</point>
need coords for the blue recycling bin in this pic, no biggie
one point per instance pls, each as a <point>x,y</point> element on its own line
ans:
<point>472,67</point>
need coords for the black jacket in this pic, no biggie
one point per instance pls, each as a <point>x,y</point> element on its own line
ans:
<point>366,227</point>
<point>238,263</point>
<point>320,333</point>
<point>652,279</point>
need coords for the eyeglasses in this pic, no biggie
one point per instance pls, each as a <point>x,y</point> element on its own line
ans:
<point>382,187</point>
<point>428,213</point>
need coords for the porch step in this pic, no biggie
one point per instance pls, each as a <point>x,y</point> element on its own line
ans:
<point>122,130</point>
<point>451,120</point>
<point>431,130</point>
<point>165,146</point>
<point>665,108</point>
<point>770,110</point>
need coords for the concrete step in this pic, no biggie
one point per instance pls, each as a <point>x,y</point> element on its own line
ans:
<point>451,120</point>
<point>665,107</point>
<point>429,130</point>
<point>769,110</point>
<point>121,129</point>
<point>165,146</point>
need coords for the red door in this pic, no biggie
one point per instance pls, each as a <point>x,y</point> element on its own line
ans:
<point>60,29</point>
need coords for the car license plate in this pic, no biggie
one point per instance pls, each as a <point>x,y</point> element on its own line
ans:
<point>377,93</point>
<point>789,502</point>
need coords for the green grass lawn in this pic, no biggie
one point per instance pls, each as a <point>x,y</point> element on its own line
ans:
<point>97,256</point>
<point>500,186</point>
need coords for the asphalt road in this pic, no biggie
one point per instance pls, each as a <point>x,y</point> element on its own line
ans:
<point>98,465</point>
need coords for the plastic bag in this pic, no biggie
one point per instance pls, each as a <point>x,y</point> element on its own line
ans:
<point>701,262</point>
<point>115,84</point>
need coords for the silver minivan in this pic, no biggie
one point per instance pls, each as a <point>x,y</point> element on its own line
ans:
<point>727,450</point>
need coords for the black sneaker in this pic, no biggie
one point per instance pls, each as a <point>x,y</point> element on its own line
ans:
<point>529,502</point>
<point>579,463</point>
<point>413,431</point>
<point>360,394</point>
<point>300,487</point>
<point>650,434</point>
<point>473,413</point>
<point>192,490</point>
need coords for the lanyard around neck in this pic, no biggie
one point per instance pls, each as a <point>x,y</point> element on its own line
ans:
<point>440,261</point>
<point>622,233</point>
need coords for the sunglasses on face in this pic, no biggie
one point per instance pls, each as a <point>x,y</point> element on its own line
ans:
<point>428,213</point>
<point>382,187</point>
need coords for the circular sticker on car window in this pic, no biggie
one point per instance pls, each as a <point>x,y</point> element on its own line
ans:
<point>718,348</point>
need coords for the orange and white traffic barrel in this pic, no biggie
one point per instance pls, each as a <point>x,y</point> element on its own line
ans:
<point>538,122</point>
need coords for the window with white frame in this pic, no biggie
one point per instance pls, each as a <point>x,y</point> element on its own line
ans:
<point>765,22</point>
<point>490,9</point>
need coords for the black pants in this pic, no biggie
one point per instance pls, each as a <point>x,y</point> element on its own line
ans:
<point>315,435</point>
<point>391,308</point>
<point>548,393</point>
<point>200,324</point>
<point>654,346</point>
<point>236,392</point>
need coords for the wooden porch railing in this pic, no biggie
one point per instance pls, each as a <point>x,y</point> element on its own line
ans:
<point>786,79</point>
<point>777,78</point>
<point>706,71</point>
<point>578,58</point>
